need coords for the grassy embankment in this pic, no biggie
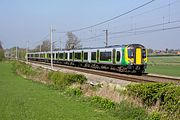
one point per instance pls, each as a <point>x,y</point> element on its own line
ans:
<point>22,99</point>
<point>165,65</point>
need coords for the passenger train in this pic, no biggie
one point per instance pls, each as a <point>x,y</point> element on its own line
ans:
<point>123,58</point>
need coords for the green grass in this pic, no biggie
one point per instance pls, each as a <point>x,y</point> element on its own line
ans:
<point>169,65</point>
<point>21,99</point>
<point>172,60</point>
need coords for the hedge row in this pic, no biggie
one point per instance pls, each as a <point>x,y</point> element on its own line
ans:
<point>167,95</point>
<point>23,68</point>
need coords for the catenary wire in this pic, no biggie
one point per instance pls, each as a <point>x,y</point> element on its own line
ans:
<point>80,29</point>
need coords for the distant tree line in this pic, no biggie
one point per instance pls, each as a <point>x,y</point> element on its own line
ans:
<point>11,53</point>
<point>166,51</point>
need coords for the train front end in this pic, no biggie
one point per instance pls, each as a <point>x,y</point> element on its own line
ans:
<point>136,58</point>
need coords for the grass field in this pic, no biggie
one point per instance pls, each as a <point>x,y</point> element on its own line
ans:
<point>169,65</point>
<point>22,99</point>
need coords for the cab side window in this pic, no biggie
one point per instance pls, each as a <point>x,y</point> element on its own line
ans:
<point>130,53</point>
<point>143,53</point>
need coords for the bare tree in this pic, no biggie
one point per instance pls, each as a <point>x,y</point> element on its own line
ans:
<point>45,46</point>
<point>73,41</point>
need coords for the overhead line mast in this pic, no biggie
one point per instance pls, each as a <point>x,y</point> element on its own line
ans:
<point>51,30</point>
<point>106,37</point>
<point>27,50</point>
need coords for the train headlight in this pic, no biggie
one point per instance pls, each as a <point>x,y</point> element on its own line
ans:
<point>144,61</point>
<point>131,62</point>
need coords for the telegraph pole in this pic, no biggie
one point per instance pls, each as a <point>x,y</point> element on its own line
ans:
<point>106,37</point>
<point>40,47</point>
<point>60,44</point>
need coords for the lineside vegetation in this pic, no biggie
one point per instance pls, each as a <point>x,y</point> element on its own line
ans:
<point>163,98</point>
<point>157,100</point>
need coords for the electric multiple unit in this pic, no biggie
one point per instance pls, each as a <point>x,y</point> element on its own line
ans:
<point>125,58</point>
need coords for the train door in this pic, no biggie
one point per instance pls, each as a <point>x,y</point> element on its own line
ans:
<point>138,56</point>
<point>114,56</point>
<point>82,56</point>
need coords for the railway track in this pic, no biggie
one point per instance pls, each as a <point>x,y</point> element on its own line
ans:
<point>165,78</point>
<point>133,78</point>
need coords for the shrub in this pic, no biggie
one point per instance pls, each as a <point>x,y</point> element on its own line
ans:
<point>74,91</point>
<point>155,116</point>
<point>105,103</point>
<point>57,78</point>
<point>64,79</point>
<point>127,111</point>
<point>167,94</point>
<point>76,78</point>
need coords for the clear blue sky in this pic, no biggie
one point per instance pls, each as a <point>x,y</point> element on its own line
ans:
<point>22,20</point>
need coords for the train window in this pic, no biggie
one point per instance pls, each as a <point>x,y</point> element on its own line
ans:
<point>42,55</point>
<point>105,56</point>
<point>57,55</point>
<point>93,56</point>
<point>143,53</point>
<point>36,55</point>
<point>49,55</point>
<point>53,55</point>
<point>118,55</point>
<point>86,56</point>
<point>70,56</point>
<point>130,53</point>
<point>61,55</point>
<point>66,55</point>
<point>77,56</point>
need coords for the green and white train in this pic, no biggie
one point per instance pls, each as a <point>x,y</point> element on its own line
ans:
<point>125,58</point>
